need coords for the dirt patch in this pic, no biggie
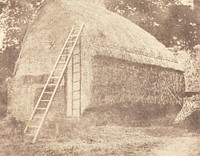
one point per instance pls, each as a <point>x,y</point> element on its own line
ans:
<point>180,146</point>
<point>109,140</point>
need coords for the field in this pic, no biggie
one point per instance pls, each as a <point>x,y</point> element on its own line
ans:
<point>104,140</point>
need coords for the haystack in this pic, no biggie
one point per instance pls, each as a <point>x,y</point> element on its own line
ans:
<point>124,68</point>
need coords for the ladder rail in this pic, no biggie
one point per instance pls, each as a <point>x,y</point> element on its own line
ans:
<point>72,49</point>
<point>72,79</point>
<point>174,96</point>
<point>172,93</point>
<point>46,111</point>
<point>63,48</point>
<point>59,81</point>
<point>45,86</point>
<point>80,87</point>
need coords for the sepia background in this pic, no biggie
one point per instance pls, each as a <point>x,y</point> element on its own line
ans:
<point>140,77</point>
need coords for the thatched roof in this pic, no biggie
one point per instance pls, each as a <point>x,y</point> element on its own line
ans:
<point>105,33</point>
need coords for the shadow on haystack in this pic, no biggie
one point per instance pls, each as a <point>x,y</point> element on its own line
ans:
<point>192,123</point>
<point>129,114</point>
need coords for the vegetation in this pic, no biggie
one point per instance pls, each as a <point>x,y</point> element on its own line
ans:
<point>112,140</point>
<point>15,18</point>
<point>169,21</point>
<point>158,17</point>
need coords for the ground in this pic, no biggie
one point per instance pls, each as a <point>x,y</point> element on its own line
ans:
<point>105,140</point>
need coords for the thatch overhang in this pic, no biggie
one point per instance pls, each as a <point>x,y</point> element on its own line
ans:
<point>105,33</point>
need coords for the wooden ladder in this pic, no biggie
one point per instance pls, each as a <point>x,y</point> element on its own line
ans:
<point>51,86</point>
<point>76,84</point>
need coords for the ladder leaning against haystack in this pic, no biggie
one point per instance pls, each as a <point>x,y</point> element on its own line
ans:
<point>51,86</point>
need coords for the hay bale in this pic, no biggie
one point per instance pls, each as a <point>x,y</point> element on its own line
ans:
<point>124,90</point>
<point>121,63</point>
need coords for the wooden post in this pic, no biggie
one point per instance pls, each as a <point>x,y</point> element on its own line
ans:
<point>65,92</point>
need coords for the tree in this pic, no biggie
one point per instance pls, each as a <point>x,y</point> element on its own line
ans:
<point>16,15</point>
<point>182,27</point>
<point>169,21</point>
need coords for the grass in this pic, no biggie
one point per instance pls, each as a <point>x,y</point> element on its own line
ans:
<point>83,140</point>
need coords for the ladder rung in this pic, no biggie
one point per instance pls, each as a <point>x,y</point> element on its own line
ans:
<point>76,28</point>
<point>51,84</point>
<point>30,134</point>
<point>68,47</point>
<point>48,92</point>
<point>76,99</point>
<point>64,55</point>
<point>74,35</point>
<point>58,69</point>
<point>44,100</point>
<point>61,62</point>
<point>37,117</point>
<point>41,108</point>
<point>75,91</point>
<point>33,126</point>
<point>70,41</point>
<point>76,109</point>
<point>55,77</point>
<point>76,63</point>
<point>76,54</point>
<point>76,72</point>
<point>76,81</point>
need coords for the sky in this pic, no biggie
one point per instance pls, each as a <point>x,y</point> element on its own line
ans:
<point>1,38</point>
<point>187,2</point>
